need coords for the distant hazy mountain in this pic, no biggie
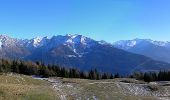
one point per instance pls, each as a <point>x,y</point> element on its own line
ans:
<point>157,50</point>
<point>78,51</point>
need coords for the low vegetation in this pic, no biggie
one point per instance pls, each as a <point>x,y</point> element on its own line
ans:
<point>21,87</point>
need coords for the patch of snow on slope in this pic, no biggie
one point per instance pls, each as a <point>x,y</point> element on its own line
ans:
<point>126,44</point>
<point>83,40</point>
<point>70,55</point>
<point>37,41</point>
<point>161,43</point>
<point>131,44</point>
<point>0,44</point>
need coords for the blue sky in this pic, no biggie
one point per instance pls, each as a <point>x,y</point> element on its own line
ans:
<point>108,20</point>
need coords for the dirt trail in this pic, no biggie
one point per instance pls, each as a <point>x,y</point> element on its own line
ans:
<point>56,86</point>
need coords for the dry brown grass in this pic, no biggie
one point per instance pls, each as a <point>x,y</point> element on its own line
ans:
<point>99,89</point>
<point>21,87</point>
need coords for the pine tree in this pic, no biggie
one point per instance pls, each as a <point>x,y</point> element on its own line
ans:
<point>111,76</point>
<point>117,75</point>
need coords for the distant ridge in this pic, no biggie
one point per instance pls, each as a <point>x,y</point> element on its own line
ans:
<point>157,50</point>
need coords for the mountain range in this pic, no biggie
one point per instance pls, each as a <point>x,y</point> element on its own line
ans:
<point>157,50</point>
<point>85,53</point>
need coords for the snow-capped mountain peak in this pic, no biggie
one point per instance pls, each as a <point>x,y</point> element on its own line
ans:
<point>6,38</point>
<point>37,41</point>
<point>7,41</point>
<point>78,39</point>
<point>127,44</point>
<point>161,43</point>
<point>102,42</point>
<point>76,43</point>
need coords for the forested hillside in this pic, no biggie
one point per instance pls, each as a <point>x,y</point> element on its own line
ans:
<point>42,70</point>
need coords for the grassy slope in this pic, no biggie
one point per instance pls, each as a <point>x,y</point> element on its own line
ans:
<point>21,87</point>
<point>91,89</point>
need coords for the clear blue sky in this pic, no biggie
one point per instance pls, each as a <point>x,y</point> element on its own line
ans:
<point>108,20</point>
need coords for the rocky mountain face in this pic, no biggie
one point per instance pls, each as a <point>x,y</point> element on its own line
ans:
<point>11,48</point>
<point>78,51</point>
<point>157,50</point>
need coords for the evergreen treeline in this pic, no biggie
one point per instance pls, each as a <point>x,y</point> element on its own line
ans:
<point>152,76</point>
<point>40,69</point>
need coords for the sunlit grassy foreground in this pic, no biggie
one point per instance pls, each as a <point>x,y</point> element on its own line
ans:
<point>21,87</point>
